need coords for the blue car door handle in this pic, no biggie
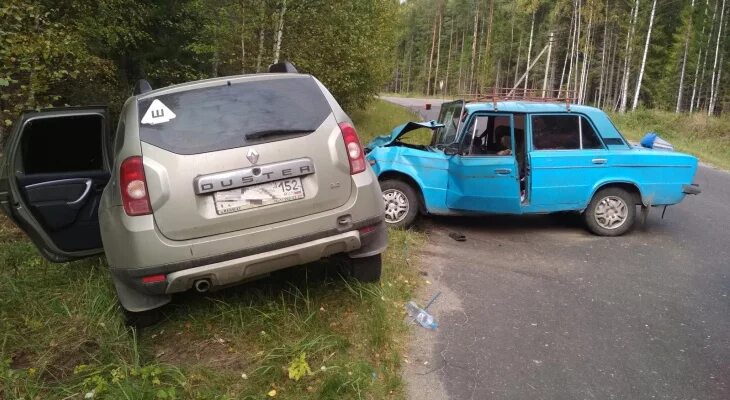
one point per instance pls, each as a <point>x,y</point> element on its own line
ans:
<point>599,161</point>
<point>503,171</point>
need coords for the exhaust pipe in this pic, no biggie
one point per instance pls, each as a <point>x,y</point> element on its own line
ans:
<point>202,285</point>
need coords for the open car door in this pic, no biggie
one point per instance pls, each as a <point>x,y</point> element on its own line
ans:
<point>52,174</point>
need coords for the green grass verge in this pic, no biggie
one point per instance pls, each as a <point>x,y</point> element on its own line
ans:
<point>380,117</point>
<point>706,137</point>
<point>303,334</point>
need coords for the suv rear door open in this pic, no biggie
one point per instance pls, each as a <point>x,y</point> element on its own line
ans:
<point>51,178</point>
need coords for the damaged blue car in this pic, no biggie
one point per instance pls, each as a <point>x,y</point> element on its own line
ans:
<point>525,157</point>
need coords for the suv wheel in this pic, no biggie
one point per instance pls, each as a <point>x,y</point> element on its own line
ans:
<point>401,203</point>
<point>364,269</point>
<point>611,212</point>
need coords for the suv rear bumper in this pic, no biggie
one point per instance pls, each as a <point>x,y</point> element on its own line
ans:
<point>135,295</point>
<point>238,269</point>
<point>135,248</point>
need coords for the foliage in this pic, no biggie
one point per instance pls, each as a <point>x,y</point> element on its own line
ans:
<point>80,52</point>
<point>299,368</point>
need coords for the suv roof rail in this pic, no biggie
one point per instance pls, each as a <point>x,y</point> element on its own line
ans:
<point>513,94</point>
<point>142,86</point>
<point>283,67</point>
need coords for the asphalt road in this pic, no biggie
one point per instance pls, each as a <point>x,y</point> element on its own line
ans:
<point>537,308</point>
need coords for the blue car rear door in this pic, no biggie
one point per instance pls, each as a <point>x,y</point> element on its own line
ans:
<point>567,158</point>
<point>483,176</point>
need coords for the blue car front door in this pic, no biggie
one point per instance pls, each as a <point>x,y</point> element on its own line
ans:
<point>483,175</point>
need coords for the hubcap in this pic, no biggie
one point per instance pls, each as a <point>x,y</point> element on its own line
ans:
<point>611,212</point>
<point>396,206</point>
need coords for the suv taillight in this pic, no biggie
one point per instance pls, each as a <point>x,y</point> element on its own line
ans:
<point>135,198</point>
<point>354,150</point>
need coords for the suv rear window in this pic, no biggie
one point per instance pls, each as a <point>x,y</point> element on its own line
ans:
<point>229,116</point>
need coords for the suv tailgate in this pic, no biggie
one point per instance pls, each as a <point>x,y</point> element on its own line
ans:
<point>210,168</point>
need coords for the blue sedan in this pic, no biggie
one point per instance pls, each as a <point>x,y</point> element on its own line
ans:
<point>521,157</point>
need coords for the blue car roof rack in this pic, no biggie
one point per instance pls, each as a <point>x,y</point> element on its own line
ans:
<point>495,95</point>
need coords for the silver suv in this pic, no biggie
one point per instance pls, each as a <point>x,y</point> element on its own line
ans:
<point>203,185</point>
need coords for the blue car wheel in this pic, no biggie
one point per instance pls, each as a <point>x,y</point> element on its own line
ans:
<point>611,212</point>
<point>401,203</point>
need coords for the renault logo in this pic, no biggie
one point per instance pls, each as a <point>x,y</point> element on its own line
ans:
<point>253,156</point>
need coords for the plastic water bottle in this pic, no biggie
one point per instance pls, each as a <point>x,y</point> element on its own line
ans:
<point>422,317</point>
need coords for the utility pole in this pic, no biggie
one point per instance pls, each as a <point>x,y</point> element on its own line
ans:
<point>547,65</point>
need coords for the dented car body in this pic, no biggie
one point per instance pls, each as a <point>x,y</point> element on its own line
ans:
<point>521,157</point>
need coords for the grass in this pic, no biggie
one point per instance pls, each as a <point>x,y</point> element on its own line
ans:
<point>381,117</point>
<point>704,136</point>
<point>304,334</point>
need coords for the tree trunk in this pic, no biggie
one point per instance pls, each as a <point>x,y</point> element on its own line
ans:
<point>488,46</point>
<point>627,59</point>
<point>243,41</point>
<point>517,64</point>
<point>529,50</point>
<point>511,41</point>
<point>643,58</point>
<point>410,63</point>
<point>474,47</point>
<point>448,58</point>
<point>568,50</point>
<point>430,57</point>
<point>603,57</point>
<point>547,66</point>
<point>684,60</point>
<point>699,57</point>
<point>577,47</point>
<point>573,48</point>
<point>461,62</point>
<point>707,51</point>
<point>438,56</point>
<point>479,69</point>
<point>259,57</point>
<point>279,32</point>
<point>610,95</point>
<point>587,49</point>
<point>711,106</point>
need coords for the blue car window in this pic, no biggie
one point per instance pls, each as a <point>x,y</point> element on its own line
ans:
<point>563,132</point>
<point>450,117</point>
<point>555,132</point>
<point>588,135</point>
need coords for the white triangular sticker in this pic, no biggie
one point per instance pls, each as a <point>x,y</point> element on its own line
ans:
<point>158,113</point>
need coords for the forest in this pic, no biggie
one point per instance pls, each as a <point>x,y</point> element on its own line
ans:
<point>80,52</point>
<point>615,54</point>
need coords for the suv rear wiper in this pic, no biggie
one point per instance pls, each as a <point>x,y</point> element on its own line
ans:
<point>276,132</point>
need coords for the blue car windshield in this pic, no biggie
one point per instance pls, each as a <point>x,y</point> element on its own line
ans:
<point>449,116</point>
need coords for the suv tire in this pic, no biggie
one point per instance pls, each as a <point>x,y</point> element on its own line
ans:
<point>611,212</point>
<point>364,269</point>
<point>397,193</point>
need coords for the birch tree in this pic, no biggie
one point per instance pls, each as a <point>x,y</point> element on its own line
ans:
<point>711,106</point>
<point>688,35</point>
<point>279,32</point>
<point>474,45</point>
<point>643,58</point>
<point>627,59</point>
<point>529,48</point>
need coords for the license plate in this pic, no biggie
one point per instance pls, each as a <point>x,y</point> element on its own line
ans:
<point>265,194</point>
